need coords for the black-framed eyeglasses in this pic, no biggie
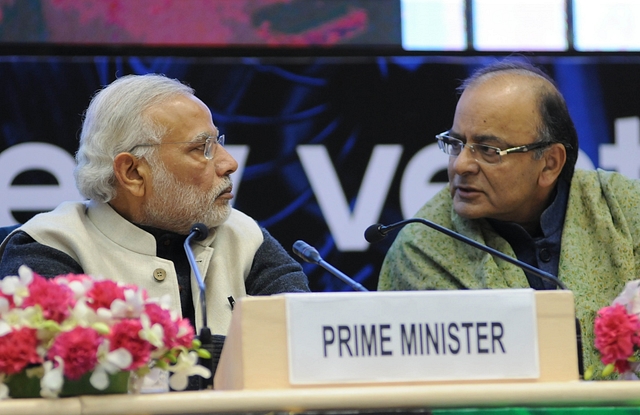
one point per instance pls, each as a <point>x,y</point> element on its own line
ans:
<point>209,145</point>
<point>481,152</point>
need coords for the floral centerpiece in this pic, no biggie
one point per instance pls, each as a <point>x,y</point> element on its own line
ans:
<point>617,335</point>
<point>77,327</point>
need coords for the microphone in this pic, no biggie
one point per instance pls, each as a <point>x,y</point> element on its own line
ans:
<point>376,233</point>
<point>199,232</point>
<point>311,255</point>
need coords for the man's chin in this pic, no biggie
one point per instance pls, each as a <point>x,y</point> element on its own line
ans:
<point>213,221</point>
<point>468,212</point>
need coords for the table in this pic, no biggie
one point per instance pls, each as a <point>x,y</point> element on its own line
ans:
<point>581,397</point>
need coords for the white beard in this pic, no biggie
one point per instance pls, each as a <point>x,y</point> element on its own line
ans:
<point>177,206</point>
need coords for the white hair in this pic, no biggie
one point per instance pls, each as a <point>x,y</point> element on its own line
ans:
<point>115,122</point>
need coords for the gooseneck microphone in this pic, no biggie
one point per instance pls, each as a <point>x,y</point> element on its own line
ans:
<point>199,232</point>
<point>311,255</point>
<point>376,233</point>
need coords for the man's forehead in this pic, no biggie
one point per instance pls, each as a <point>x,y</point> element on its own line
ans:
<point>507,89</point>
<point>517,87</point>
<point>500,109</point>
<point>184,112</point>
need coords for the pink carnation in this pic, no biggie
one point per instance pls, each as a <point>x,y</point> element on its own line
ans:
<point>55,300</point>
<point>18,350</point>
<point>126,334</point>
<point>159,315</point>
<point>78,349</point>
<point>616,334</point>
<point>171,328</point>
<point>102,294</point>
<point>184,326</point>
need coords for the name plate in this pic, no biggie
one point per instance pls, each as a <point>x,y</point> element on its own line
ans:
<point>412,336</point>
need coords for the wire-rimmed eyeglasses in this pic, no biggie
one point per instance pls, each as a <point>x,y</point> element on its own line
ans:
<point>208,145</point>
<point>482,152</point>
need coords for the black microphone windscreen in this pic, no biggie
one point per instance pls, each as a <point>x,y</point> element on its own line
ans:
<point>374,234</point>
<point>306,252</point>
<point>200,231</point>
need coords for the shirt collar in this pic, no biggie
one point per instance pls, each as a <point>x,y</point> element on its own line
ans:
<point>551,220</point>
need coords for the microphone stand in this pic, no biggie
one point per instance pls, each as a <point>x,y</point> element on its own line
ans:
<point>311,255</point>
<point>200,232</point>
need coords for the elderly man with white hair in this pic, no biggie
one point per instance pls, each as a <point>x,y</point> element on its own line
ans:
<point>152,163</point>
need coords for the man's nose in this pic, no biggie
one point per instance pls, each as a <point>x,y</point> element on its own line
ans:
<point>465,162</point>
<point>225,163</point>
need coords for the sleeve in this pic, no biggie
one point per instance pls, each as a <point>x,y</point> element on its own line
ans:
<point>21,249</point>
<point>274,271</point>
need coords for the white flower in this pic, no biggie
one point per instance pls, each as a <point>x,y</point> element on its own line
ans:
<point>17,317</point>
<point>53,379</point>
<point>17,286</point>
<point>104,315</point>
<point>82,315</point>
<point>5,328</point>
<point>165,302</point>
<point>80,288</point>
<point>153,334</point>
<point>131,307</point>
<point>185,367</point>
<point>183,329</point>
<point>109,362</point>
<point>630,297</point>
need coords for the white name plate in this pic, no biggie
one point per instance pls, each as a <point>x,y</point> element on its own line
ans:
<point>412,336</point>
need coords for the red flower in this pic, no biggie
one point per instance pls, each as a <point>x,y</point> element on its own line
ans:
<point>55,300</point>
<point>171,328</point>
<point>616,334</point>
<point>18,350</point>
<point>158,315</point>
<point>103,293</point>
<point>126,334</point>
<point>186,339</point>
<point>78,349</point>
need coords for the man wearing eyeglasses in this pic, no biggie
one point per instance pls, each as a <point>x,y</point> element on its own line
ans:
<point>152,164</point>
<point>512,149</point>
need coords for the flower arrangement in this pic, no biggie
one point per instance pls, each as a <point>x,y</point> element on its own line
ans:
<point>617,334</point>
<point>74,326</point>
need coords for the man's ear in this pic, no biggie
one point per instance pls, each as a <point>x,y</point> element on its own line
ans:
<point>555,158</point>
<point>131,173</point>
